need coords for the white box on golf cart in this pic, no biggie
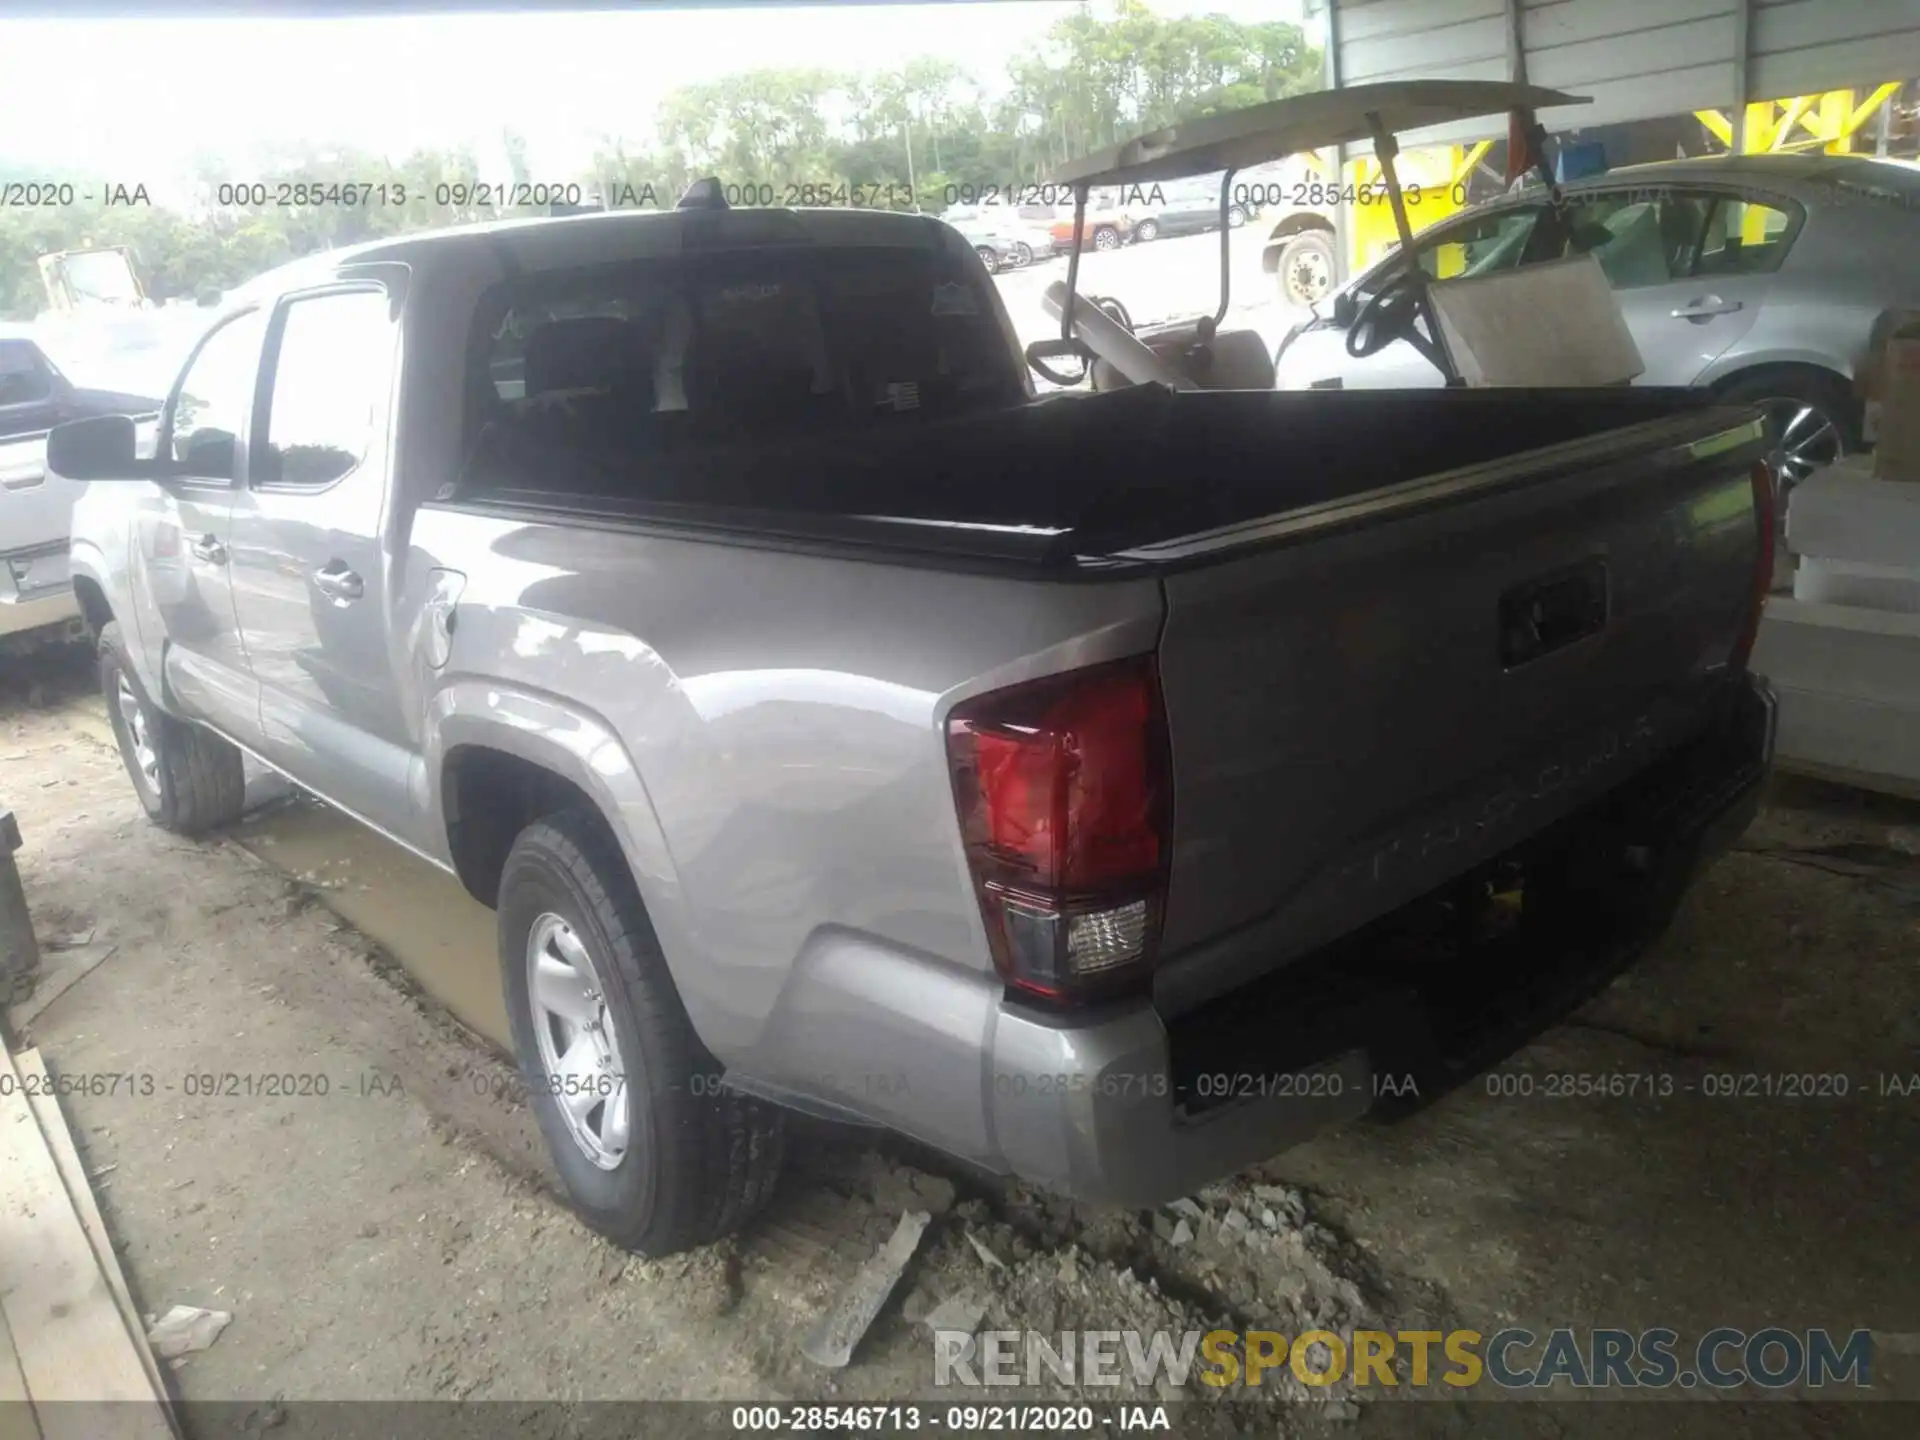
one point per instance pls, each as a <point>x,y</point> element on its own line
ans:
<point>1551,324</point>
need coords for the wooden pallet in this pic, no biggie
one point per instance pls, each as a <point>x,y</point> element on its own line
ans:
<point>74,1360</point>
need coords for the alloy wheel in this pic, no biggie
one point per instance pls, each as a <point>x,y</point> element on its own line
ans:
<point>134,714</point>
<point>579,1050</point>
<point>1805,438</point>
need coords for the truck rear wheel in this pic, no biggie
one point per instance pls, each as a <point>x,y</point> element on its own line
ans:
<point>189,780</point>
<point>655,1154</point>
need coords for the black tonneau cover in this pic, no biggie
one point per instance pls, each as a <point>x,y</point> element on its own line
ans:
<point>1074,483</point>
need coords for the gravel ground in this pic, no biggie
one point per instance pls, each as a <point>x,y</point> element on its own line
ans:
<point>398,1237</point>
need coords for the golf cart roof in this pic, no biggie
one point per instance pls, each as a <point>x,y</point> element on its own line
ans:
<point>1258,134</point>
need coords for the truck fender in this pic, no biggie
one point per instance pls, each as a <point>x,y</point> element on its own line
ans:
<point>87,561</point>
<point>580,747</point>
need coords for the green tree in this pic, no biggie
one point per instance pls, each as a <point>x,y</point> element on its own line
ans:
<point>1097,78</point>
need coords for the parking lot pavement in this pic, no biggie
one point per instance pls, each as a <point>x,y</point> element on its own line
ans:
<point>396,1236</point>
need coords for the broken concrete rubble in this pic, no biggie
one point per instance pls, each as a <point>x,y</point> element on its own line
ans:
<point>833,1338</point>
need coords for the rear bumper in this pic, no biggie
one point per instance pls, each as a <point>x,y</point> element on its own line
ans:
<point>1130,1110</point>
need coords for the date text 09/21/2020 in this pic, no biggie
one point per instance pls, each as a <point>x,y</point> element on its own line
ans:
<point>468,196</point>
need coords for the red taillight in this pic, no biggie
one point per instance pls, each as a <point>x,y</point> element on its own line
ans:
<point>1062,790</point>
<point>1766,516</point>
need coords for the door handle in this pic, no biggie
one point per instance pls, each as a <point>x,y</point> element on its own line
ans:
<point>1708,308</point>
<point>210,550</point>
<point>337,581</point>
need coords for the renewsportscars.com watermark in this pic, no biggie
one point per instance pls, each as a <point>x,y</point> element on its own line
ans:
<point>1772,1358</point>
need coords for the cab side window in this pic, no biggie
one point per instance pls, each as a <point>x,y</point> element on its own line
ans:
<point>25,378</point>
<point>332,368</point>
<point>208,413</point>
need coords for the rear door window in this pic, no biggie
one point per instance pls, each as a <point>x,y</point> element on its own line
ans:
<point>1745,235</point>
<point>331,369</point>
<point>1640,237</point>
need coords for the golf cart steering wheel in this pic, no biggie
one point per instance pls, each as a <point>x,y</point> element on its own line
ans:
<point>1387,316</point>
<point>1390,314</point>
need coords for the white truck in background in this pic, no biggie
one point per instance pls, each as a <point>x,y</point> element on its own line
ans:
<point>104,328</point>
<point>1292,203</point>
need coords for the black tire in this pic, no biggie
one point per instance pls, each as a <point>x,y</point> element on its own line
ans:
<point>196,781</point>
<point>1306,269</point>
<point>700,1159</point>
<point>1145,231</point>
<point>988,258</point>
<point>1022,255</point>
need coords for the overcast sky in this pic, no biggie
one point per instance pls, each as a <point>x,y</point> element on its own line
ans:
<point>130,100</point>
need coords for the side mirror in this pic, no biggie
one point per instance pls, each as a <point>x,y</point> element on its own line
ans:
<point>100,447</point>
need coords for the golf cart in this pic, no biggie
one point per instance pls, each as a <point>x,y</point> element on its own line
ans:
<point>1097,340</point>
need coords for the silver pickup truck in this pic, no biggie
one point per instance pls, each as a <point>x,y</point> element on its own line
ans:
<point>1104,788</point>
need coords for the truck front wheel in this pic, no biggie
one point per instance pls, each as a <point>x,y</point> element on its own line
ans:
<point>1306,268</point>
<point>654,1152</point>
<point>189,780</point>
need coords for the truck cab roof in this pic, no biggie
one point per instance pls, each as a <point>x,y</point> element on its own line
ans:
<point>609,237</point>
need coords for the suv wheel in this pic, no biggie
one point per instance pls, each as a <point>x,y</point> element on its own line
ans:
<point>988,258</point>
<point>1106,238</point>
<point>654,1152</point>
<point>1146,230</point>
<point>189,780</point>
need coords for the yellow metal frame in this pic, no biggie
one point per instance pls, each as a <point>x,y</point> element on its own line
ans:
<point>1830,121</point>
<point>1798,124</point>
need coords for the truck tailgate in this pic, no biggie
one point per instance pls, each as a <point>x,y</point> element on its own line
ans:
<point>1379,694</point>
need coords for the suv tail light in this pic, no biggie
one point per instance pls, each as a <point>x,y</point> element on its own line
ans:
<point>1063,793</point>
<point>1766,514</point>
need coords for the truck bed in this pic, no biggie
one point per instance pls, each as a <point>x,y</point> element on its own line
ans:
<point>1082,484</point>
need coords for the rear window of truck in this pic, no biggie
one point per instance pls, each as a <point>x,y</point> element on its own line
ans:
<point>582,374</point>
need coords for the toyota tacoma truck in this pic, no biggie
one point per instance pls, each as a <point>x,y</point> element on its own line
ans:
<point>1109,789</point>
